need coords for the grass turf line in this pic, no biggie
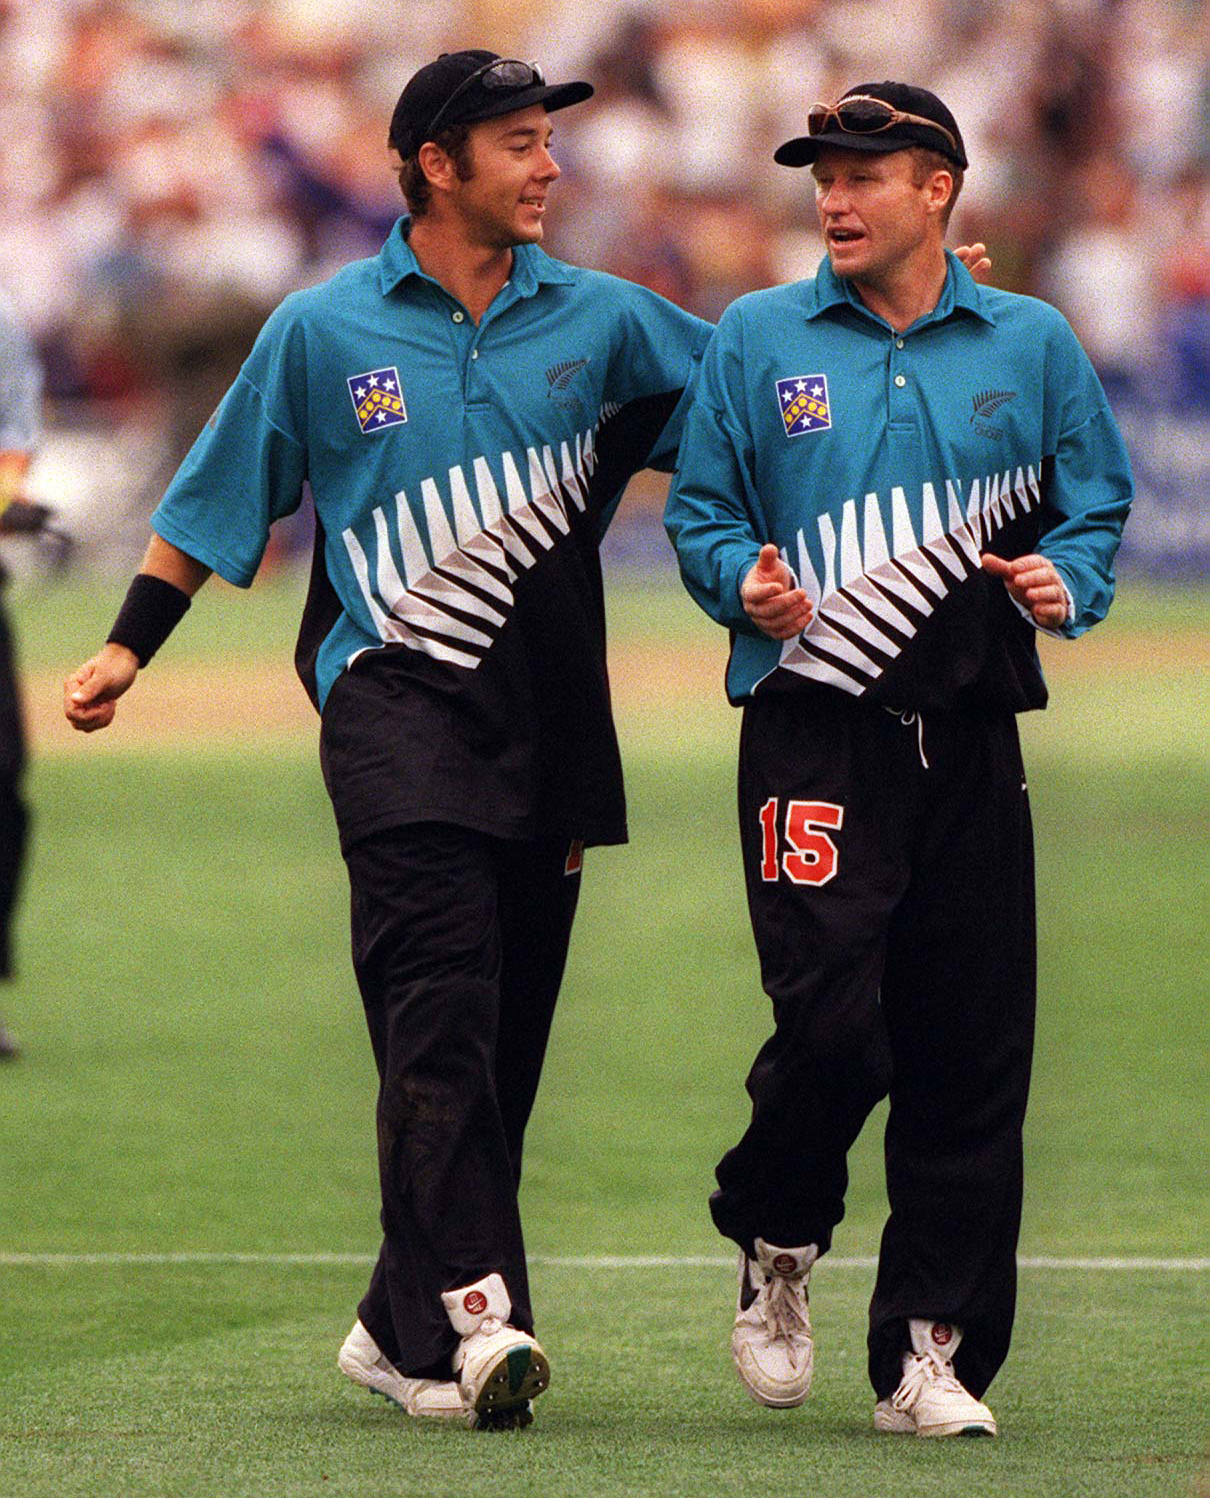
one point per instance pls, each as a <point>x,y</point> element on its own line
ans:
<point>207,1383</point>
<point>201,1080</point>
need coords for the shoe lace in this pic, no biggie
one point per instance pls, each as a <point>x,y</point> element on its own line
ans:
<point>921,1369</point>
<point>784,1305</point>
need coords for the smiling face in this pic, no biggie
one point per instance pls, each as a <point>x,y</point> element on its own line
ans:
<point>880,216</point>
<point>502,201</point>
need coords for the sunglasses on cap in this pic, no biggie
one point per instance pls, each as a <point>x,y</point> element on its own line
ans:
<point>503,72</point>
<point>860,114</point>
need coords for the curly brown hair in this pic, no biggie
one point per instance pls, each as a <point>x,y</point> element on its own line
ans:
<point>456,143</point>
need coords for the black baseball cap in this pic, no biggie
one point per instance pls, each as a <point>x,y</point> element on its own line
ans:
<point>934,126</point>
<point>461,87</point>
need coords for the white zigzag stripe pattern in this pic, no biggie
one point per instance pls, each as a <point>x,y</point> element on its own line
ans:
<point>451,598</point>
<point>874,598</point>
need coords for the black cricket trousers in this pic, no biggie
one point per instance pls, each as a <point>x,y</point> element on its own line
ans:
<point>888,858</point>
<point>14,814</point>
<point>459,945</point>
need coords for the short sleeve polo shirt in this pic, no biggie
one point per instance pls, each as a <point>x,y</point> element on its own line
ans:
<point>462,477</point>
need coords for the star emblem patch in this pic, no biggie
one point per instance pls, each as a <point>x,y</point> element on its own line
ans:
<point>804,405</point>
<point>377,400</point>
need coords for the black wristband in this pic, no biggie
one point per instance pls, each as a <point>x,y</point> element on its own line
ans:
<point>151,610</point>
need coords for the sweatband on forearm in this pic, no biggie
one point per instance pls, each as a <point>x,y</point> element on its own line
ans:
<point>151,610</point>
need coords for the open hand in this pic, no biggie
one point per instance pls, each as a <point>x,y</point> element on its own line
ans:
<point>771,600</point>
<point>975,258</point>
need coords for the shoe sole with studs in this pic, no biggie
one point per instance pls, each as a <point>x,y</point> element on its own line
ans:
<point>520,1374</point>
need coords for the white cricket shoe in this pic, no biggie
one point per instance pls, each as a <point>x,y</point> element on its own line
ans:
<point>771,1342</point>
<point>500,1369</point>
<point>930,1401</point>
<point>427,1398</point>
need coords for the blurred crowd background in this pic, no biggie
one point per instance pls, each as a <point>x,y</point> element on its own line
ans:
<point>169,169</point>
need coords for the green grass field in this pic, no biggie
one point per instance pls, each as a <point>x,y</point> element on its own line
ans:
<point>187,1192</point>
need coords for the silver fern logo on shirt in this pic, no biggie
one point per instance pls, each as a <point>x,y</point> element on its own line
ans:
<point>888,564</point>
<point>561,378</point>
<point>984,407</point>
<point>436,569</point>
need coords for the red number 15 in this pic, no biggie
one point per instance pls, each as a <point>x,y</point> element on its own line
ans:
<point>811,856</point>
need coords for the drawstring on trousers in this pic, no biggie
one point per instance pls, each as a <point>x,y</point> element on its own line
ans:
<point>908,716</point>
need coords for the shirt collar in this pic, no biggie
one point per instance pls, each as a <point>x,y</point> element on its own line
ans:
<point>961,293</point>
<point>532,267</point>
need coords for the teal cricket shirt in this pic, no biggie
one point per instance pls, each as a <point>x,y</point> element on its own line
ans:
<point>462,478</point>
<point>881,465</point>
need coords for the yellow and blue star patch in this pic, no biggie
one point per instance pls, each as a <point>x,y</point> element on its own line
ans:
<point>378,400</point>
<point>804,405</point>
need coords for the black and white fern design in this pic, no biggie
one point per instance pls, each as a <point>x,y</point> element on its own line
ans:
<point>561,375</point>
<point>988,401</point>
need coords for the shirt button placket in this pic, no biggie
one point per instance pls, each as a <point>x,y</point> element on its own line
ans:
<point>896,403</point>
<point>470,370</point>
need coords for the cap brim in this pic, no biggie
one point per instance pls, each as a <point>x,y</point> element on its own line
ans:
<point>552,95</point>
<point>805,149</point>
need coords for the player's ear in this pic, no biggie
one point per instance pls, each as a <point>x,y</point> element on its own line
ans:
<point>938,189</point>
<point>437,167</point>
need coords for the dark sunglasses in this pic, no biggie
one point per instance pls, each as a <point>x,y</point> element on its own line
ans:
<point>504,72</point>
<point>860,114</point>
